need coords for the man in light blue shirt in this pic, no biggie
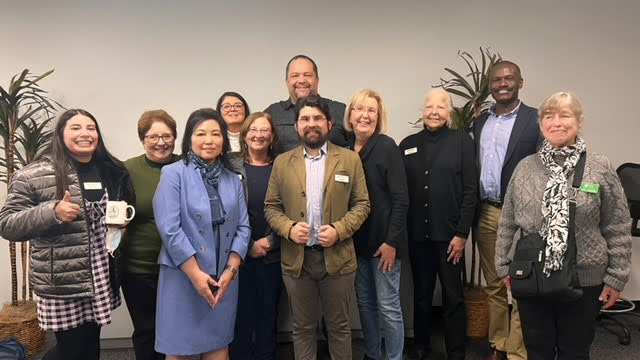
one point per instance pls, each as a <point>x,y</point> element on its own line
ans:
<point>504,135</point>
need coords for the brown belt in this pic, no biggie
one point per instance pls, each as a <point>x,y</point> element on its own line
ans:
<point>493,202</point>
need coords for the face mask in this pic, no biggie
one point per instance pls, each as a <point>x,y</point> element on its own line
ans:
<point>113,237</point>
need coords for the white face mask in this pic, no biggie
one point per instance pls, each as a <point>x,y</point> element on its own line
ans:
<point>113,237</point>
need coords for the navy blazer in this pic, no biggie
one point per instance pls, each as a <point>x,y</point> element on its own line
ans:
<point>525,140</point>
<point>183,216</point>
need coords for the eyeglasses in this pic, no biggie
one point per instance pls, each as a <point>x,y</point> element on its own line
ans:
<point>237,107</point>
<point>156,138</point>
<point>317,118</point>
<point>369,111</point>
<point>263,131</point>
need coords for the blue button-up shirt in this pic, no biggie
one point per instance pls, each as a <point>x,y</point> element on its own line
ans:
<point>315,183</point>
<point>494,140</point>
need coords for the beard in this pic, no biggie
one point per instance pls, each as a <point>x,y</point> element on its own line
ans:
<point>314,142</point>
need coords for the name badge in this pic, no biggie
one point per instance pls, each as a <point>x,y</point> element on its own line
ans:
<point>92,185</point>
<point>589,187</point>
<point>240,177</point>
<point>342,178</point>
<point>413,150</point>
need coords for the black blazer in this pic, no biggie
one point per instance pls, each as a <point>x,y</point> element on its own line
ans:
<point>525,140</point>
<point>387,185</point>
<point>442,182</point>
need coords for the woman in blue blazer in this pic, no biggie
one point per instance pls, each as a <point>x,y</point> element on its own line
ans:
<point>202,219</point>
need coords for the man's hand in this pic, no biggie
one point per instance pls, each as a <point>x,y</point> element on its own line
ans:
<point>66,210</point>
<point>327,235</point>
<point>456,249</point>
<point>260,248</point>
<point>507,282</point>
<point>387,255</point>
<point>299,233</point>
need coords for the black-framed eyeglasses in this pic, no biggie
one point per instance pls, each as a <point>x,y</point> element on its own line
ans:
<point>156,138</point>
<point>237,106</point>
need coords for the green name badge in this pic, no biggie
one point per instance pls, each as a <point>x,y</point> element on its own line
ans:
<point>589,187</point>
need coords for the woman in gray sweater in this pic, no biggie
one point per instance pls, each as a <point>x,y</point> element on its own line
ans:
<point>537,201</point>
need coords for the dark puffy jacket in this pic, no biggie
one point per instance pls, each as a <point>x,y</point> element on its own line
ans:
<point>60,264</point>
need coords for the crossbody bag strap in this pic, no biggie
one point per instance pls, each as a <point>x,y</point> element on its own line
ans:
<point>573,194</point>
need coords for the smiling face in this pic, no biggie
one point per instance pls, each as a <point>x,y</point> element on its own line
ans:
<point>260,136</point>
<point>560,127</point>
<point>505,82</point>
<point>301,80</point>
<point>233,111</point>
<point>364,117</point>
<point>159,150</point>
<point>207,141</point>
<point>81,137</point>
<point>312,127</point>
<point>437,109</point>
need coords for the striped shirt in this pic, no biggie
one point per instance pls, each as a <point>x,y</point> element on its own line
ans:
<point>314,190</point>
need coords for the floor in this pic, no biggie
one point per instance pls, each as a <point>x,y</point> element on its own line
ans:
<point>605,346</point>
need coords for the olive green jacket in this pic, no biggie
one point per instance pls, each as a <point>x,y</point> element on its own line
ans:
<point>345,206</point>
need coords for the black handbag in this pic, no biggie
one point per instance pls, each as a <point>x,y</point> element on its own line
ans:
<point>526,270</point>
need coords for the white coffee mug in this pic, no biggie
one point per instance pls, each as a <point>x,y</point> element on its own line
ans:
<point>117,213</point>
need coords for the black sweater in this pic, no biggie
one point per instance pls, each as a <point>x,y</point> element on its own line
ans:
<point>387,186</point>
<point>442,181</point>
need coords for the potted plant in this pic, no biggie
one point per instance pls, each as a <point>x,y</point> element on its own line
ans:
<point>25,115</point>
<point>473,89</point>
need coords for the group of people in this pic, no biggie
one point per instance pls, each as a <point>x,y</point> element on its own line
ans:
<point>311,194</point>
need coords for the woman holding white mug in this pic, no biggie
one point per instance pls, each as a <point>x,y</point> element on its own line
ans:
<point>58,202</point>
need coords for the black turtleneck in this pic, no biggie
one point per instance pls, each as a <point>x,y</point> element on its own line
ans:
<point>442,180</point>
<point>90,181</point>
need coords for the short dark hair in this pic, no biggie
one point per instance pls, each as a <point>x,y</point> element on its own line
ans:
<point>149,117</point>
<point>313,101</point>
<point>505,63</point>
<point>194,120</point>
<point>300,56</point>
<point>234,94</point>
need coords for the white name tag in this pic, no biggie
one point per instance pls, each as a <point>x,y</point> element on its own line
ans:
<point>92,185</point>
<point>240,177</point>
<point>342,178</point>
<point>413,150</point>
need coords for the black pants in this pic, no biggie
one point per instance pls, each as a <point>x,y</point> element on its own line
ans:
<point>256,320</point>
<point>565,329</point>
<point>79,343</point>
<point>140,294</point>
<point>429,259</point>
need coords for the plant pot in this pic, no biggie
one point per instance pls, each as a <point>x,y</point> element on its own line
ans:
<point>21,322</point>
<point>477,312</point>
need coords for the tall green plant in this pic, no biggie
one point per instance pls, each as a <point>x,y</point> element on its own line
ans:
<point>472,87</point>
<point>26,112</point>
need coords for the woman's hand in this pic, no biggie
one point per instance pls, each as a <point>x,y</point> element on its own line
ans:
<point>387,255</point>
<point>609,296</point>
<point>260,248</point>
<point>456,249</point>
<point>66,211</point>
<point>200,280</point>
<point>223,285</point>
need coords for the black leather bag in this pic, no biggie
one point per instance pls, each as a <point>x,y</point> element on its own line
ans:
<point>526,270</point>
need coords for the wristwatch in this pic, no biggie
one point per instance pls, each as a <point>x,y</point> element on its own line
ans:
<point>233,270</point>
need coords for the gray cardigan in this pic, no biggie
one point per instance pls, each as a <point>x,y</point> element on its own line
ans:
<point>603,235</point>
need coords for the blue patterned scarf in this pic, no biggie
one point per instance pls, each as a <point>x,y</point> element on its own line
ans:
<point>210,172</point>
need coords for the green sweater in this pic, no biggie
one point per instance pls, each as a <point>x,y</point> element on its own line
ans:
<point>141,243</point>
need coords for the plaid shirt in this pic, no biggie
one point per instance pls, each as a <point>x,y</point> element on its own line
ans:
<point>64,314</point>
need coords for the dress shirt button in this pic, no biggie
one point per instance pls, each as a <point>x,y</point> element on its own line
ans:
<point>201,231</point>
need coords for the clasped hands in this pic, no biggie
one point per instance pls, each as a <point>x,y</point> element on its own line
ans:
<point>300,232</point>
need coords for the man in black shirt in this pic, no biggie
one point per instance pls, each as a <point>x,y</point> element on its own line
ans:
<point>301,78</point>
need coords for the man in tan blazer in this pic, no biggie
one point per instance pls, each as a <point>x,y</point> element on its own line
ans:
<point>317,198</point>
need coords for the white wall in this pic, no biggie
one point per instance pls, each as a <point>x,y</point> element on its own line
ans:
<point>119,58</point>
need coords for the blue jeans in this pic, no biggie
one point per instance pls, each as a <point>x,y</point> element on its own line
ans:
<point>378,291</point>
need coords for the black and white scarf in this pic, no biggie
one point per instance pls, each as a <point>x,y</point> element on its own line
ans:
<point>555,201</point>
